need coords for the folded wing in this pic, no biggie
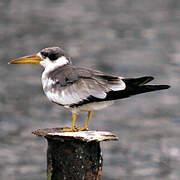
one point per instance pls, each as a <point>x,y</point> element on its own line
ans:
<point>79,85</point>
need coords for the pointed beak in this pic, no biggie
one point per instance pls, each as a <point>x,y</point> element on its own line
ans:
<point>31,59</point>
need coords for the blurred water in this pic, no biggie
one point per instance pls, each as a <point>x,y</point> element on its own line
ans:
<point>126,38</point>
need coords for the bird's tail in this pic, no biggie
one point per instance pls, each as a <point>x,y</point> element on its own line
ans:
<point>137,85</point>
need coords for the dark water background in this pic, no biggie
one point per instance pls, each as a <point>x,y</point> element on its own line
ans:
<point>122,37</point>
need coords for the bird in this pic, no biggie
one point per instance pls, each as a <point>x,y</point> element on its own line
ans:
<point>81,89</point>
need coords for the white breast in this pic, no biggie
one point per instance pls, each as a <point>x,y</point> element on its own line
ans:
<point>50,92</point>
<point>58,96</point>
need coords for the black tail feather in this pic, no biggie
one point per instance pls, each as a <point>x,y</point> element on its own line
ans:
<point>135,86</point>
<point>145,88</point>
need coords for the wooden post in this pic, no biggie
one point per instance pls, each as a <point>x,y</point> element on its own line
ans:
<point>74,155</point>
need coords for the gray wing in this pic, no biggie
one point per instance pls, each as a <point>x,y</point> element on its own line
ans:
<point>76,85</point>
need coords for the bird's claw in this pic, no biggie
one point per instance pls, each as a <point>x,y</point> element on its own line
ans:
<point>75,129</point>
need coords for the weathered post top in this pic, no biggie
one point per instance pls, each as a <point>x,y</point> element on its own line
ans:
<point>55,133</point>
<point>74,155</point>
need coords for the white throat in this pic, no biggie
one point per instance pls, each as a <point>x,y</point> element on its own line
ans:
<point>51,65</point>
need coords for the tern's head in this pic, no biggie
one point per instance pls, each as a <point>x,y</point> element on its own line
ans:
<point>48,57</point>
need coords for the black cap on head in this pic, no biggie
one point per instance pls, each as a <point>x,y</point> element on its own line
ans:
<point>53,53</point>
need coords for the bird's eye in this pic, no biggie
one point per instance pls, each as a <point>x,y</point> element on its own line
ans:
<point>53,57</point>
<point>44,54</point>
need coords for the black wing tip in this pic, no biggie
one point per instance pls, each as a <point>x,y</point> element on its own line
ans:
<point>150,78</point>
<point>158,87</point>
<point>164,86</point>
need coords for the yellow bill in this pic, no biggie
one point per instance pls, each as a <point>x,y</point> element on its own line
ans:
<point>31,59</point>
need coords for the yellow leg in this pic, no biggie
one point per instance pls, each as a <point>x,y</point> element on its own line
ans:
<point>87,122</point>
<point>74,116</point>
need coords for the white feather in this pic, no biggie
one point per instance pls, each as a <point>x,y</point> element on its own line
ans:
<point>51,65</point>
<point>118,87</point>
<point>62,97</point>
